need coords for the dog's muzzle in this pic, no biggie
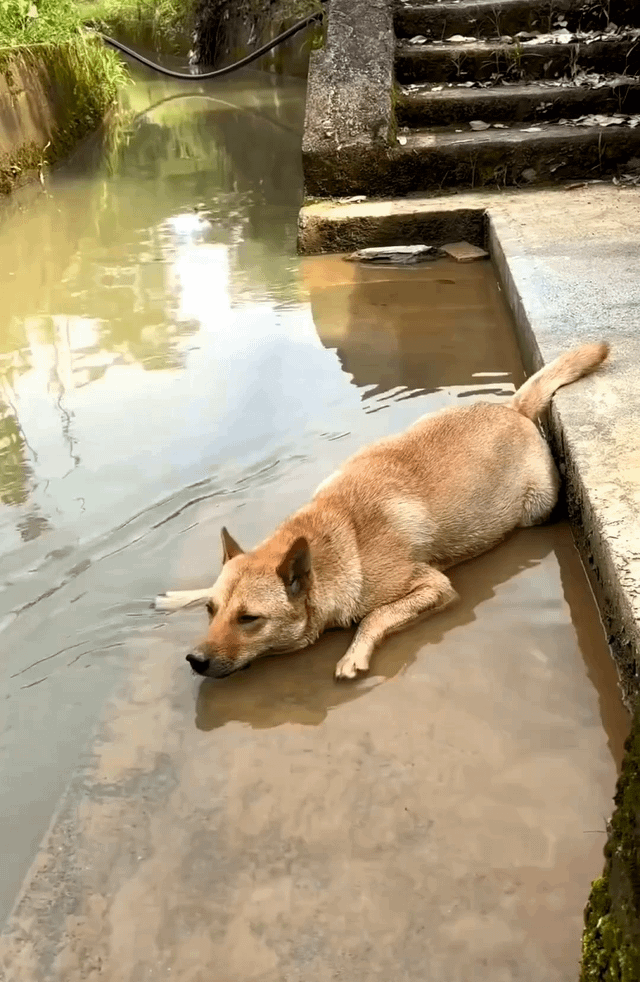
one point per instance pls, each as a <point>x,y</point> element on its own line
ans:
<point>202,665</point>
<point>199,663</point>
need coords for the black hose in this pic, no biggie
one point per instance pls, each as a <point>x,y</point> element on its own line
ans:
<point>219,72</point>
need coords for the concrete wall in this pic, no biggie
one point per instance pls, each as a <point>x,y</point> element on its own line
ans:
<point>350,120</point>
<point>48,102</point>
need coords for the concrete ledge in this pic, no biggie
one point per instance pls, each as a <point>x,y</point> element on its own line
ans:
<point>335,227</point>
<point>591,428</point>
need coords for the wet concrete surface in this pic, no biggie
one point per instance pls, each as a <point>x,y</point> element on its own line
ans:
<point>166,372</point>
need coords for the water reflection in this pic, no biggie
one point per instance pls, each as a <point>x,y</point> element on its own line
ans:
<point>129,271</point>
<point>424,332</point>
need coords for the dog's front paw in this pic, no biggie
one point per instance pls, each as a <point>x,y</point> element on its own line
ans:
<point>349,666</point>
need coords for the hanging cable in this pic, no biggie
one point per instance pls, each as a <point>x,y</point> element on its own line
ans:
<point>218,72</point>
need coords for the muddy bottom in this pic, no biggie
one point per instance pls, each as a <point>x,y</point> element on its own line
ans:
<point>169,366</point>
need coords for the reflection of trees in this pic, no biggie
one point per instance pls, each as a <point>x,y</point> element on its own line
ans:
<point>15,473</point>
<point>242,168</point>
<point>252,163</point>
<point>97,252</point>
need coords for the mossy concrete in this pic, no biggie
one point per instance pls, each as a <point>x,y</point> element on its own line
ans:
<point>51,96</point>
<point>611,939</point>
<point>350,120</point>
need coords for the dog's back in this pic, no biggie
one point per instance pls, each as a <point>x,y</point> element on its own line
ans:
<point>457,481</point>
<point>449,487</point>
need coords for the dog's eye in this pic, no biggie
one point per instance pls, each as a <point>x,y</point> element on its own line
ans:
<point>248,618</point>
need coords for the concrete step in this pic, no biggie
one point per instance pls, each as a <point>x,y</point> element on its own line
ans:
<point>431,161</point>
<point>511,103</point>
<point>481,62</point>
<point>493,18</point>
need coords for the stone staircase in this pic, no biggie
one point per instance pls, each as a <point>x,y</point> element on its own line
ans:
<point>514,92</point>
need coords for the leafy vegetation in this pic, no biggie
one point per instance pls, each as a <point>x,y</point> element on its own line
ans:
<point>164,20</point>
<point>38,21</point>
<point>43,43</point>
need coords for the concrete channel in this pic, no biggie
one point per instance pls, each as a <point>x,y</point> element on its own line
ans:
<point>567,260</point>
<point>441,819</point>
<point>409,125</point>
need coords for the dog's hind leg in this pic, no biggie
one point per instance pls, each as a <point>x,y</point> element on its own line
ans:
<point>175,599</point>
<point>430,592</point>
<point>541,493</point>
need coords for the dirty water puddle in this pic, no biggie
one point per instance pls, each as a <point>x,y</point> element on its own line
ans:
<point>169,366</point>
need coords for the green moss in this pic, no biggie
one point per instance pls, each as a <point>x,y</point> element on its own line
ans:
<point>319,36</point>
<point>14,168</point>
<point>611,938</point>
<point>82,77</point>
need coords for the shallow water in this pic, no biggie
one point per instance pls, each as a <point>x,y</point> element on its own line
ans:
<point>167,366</point>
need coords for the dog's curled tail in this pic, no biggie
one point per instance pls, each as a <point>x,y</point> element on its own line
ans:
<point>535,395</point>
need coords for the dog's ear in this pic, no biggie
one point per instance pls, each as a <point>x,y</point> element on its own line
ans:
<point>295,568</point>
<point>230,547</point>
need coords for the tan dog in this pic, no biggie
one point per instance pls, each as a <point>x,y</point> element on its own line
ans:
<point>371,546</point>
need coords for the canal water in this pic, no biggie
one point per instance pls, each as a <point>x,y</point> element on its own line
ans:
<point>168,365</point>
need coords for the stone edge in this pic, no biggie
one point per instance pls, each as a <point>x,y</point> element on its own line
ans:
<point>588,526</point>
<point>350,111</point>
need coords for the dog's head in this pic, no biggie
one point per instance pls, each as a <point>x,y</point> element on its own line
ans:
<point>258,606</point>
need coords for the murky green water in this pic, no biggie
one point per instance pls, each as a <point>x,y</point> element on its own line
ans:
<point>168,365</point>
<point>129,290</point>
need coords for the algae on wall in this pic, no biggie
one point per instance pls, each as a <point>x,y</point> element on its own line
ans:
<point>611,939</point>
<point>56,84</point>
<point>51,95</point>
<point>229,29</point>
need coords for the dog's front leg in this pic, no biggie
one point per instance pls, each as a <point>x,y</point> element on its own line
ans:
<point>430,592</point>
<point>175,599</point>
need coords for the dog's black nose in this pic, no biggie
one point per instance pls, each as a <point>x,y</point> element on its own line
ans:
<point>198,663</point>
